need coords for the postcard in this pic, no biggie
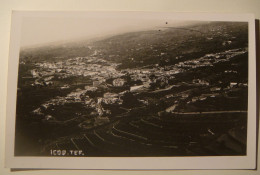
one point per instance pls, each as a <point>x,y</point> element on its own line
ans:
<point>131,90</point>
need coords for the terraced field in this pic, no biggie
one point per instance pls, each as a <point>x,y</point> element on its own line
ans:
<point>175,135</point>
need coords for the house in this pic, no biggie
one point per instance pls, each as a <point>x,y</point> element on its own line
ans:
<point>111,98</point>
<point>215,89</point>
<point>171,108</point>
<point>134,88</point>
<point>233,84</point>
<point>35,73</point>
<point>119,82</point>
<point>96,83</point>
<point>90,88</point>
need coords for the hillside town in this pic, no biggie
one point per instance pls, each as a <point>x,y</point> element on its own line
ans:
<point>155,79</point>
<point>167,92</point>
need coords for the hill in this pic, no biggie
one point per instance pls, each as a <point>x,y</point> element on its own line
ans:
<point>166,45</point>
<point>171,45</point>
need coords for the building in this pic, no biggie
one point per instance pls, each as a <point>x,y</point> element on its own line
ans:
<point>134,88</point>
<point>96,83</point>
<point>233,84</point>
<point>35,73</point>
<point>119,82</point>
<point>111,98</point>
<point>90,88</point>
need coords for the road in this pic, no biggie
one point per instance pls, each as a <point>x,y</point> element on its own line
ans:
<point>210,112</point>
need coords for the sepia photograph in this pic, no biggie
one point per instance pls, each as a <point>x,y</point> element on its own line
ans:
<point>129,84</point>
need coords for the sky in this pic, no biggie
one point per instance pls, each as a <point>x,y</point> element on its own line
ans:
<point>42,30</point>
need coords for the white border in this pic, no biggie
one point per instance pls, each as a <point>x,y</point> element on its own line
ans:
<point>214,162</point>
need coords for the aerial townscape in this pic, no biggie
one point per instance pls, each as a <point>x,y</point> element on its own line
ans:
<point>166,92</point>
